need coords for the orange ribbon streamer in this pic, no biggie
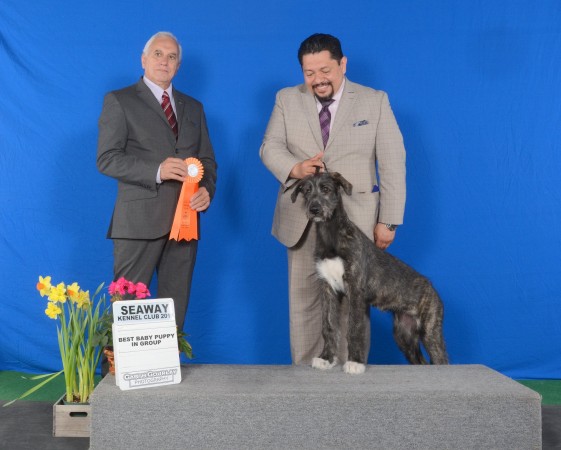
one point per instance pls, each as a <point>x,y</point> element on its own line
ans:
<point>185,225</point>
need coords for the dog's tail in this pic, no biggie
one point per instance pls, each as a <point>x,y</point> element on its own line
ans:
<point>431,313</point>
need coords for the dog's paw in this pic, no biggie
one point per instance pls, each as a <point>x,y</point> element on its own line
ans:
<point>354,368</point>
<point>323,364</point>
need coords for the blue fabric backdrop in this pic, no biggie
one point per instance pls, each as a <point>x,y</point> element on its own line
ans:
<point>474,86</point>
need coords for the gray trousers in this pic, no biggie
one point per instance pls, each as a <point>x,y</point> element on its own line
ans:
<point>173,262</point>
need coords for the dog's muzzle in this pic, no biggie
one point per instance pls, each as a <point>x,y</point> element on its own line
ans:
<point>315,212</point>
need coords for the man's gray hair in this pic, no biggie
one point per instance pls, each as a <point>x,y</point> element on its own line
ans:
<point>160,34</point>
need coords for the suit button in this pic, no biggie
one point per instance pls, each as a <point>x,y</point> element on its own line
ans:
<point>176,151</point>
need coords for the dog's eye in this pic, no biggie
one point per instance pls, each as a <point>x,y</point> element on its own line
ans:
<point>306,190</point>
<point>324,189</point>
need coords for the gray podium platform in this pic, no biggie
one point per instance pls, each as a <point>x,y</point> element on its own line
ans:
<point>287,407</point>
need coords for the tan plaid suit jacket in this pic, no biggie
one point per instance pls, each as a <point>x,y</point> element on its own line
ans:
<point>364,133</point>
<point>366,147</point>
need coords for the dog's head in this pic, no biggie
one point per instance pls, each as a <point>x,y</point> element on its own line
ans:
<point>321,194</point>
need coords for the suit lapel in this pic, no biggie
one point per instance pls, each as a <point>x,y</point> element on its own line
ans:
<point>345,107</point>
<point>179,109</point>
<point>311,111</point>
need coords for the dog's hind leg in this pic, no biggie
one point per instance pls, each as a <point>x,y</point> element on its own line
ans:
<point>331,308</point>
<point>434,344</point>
<point>406,332</point>
<point>431,317</point>
<point>359,314</point>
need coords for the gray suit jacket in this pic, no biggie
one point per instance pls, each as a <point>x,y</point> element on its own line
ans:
<point>365,146</point>
<point>134,138</point>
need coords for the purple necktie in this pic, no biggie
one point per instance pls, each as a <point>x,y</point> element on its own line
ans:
<point>325,120</point>
<point>168,111</point>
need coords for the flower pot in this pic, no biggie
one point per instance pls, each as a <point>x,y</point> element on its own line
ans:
<point>72,419</point>
<point>110,355</point>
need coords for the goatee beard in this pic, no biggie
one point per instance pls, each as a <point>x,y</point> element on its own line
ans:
<point>323,99</point>
<point>328,96</point>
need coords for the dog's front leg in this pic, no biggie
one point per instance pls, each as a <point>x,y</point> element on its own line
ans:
<point>359,314</point>
<point>331,308</point>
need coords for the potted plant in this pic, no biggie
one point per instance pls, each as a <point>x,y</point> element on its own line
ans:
<point>78,319</point>
<point>123,289</point>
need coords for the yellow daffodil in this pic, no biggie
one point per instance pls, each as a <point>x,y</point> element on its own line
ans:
<point>73,291</point>
<point>79,332</point>
<point>52,310</point>
<point>58,293</point>
<point>44,285</point>
<point>83,299</point>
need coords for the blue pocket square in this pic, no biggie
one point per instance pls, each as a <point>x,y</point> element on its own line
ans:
<point>375,188</point>
<point>361,123</point>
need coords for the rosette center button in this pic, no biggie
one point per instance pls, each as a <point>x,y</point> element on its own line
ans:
<point>192,170</point>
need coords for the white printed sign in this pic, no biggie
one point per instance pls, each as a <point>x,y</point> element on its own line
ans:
<point>145,343</point>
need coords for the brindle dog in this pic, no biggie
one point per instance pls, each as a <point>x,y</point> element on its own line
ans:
<point>350,265</point>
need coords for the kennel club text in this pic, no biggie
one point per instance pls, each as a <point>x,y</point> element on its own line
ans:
<point>350,268</point>
<point>155,311</point>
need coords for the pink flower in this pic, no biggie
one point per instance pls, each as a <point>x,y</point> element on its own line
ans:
<point>130,287</point>
<point>118,287</point>
<point>141,290</point>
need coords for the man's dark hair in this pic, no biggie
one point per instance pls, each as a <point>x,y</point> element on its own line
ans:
<point>319,42</point>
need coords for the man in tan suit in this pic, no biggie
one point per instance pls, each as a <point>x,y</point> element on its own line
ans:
<point>362,142</point>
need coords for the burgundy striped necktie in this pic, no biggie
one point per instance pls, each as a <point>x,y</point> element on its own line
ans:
<point>168,111</point>
<point>325,120</point>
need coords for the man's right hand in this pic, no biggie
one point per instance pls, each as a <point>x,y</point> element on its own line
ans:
<point>173,169</point>
<point>307,167</point>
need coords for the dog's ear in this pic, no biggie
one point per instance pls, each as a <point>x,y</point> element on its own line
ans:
<point>296,188</point>
<point>347,187</point>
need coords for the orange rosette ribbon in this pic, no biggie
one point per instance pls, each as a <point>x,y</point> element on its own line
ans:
<point>185,224</point>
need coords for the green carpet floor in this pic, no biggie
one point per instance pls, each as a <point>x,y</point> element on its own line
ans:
<point>550,390</point>
<point>13,384</point>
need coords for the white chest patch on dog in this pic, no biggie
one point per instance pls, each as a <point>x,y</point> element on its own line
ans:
<point>332,271</point>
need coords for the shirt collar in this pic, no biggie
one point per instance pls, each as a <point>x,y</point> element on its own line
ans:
<point>157,90</point>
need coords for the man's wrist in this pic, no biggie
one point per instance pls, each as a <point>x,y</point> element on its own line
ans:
<point>390,226</point>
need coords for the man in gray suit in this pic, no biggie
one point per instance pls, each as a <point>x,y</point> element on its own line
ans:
<point>330,122</point>
<point>144,149</point>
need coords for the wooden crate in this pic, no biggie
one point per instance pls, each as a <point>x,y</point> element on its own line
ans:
<point>71,420</point>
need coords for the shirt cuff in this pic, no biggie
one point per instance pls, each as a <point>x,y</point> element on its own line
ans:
<point>158,179</point>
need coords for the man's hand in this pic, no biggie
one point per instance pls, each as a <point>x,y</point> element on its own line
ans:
<point>382,236</point>
<point>200,200</point>
<point>173,169</point>
<point>307,167</point>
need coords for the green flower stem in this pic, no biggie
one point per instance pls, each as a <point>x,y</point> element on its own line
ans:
<point>79,357</point>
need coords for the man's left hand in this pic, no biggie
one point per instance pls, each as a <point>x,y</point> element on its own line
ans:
<point>200,200</point>
<point>382,236</point>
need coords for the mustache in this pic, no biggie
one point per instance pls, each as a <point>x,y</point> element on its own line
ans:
<point>323,83</point>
